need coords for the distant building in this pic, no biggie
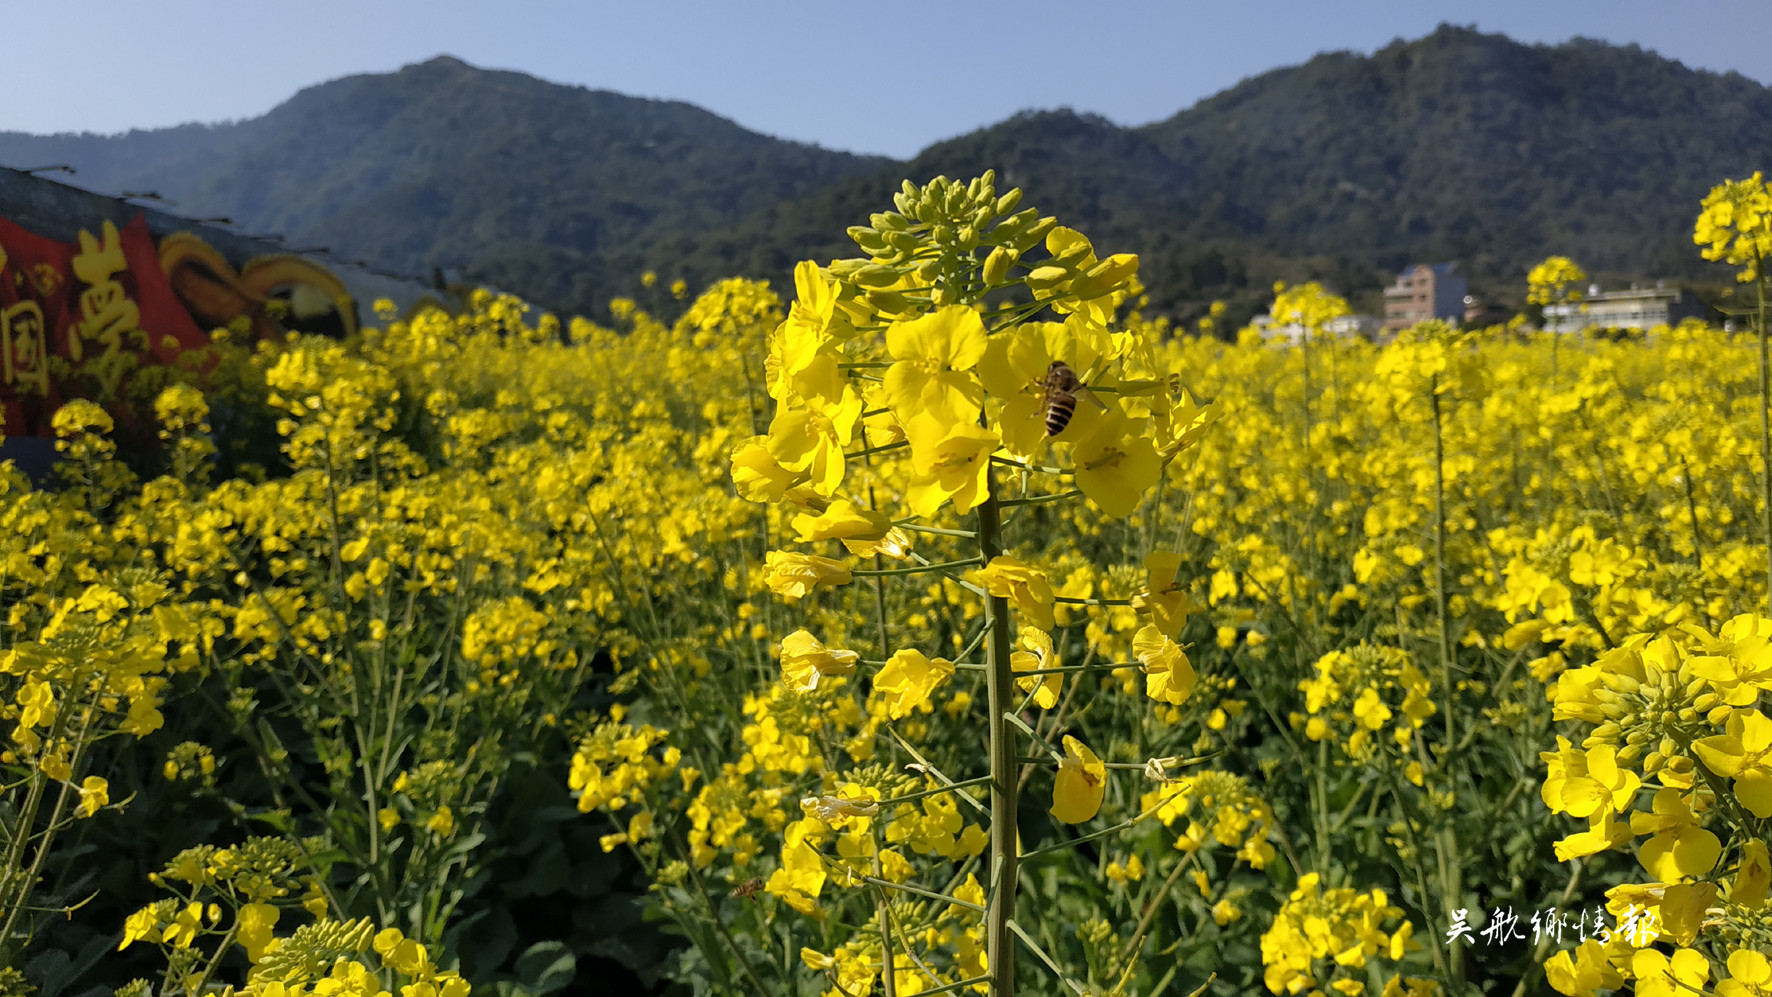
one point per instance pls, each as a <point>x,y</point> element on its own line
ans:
<point>1345,326</point>
<point>1355,326</point>
<point>1637,308</point>
<point>1425,291</point>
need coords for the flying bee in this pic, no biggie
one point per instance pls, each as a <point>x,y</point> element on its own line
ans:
<point>748,888</point>
<point>1063,388</point>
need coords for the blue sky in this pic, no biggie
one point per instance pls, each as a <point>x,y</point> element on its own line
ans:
<point>868,77</point>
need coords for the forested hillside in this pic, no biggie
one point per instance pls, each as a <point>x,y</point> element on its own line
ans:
<point>1459,146</point>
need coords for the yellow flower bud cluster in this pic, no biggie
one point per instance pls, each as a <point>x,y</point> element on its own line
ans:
<point>1735,226</point>
<point>1358,692</point>
<point>1321,940</point>
<point>1673,717</point>
<point>1555,280</point>
<point>1220,807</point>
<point>615,764</point>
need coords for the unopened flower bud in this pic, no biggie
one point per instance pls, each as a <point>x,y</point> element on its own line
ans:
<point>996,265</point>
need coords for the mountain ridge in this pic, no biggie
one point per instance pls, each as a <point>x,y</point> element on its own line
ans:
<point>1457,145</point>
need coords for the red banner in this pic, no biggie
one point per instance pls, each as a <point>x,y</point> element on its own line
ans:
<point>86,308</point>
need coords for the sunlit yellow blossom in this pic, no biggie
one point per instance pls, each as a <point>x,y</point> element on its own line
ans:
<point>1750,975</point>
<point>1024,585</point>
<point>1744,754</point>
<point>254,930</point>
<point>804,659</point>
<point>948,465</point>
<point>1680,846</point>
<point>930,378</point>
<point>1660,976</point>
<point>907,680</point>
<point>1164,599</point>
<point>1116,466</point>
<point>1752,877</point>
<point>1078,786</point>
<point>1583,973</point>
<point>1169,676</point>
<point>842,520</point>
<point>94,793</point>
<point>792,575</point>
<point>1034,651</point>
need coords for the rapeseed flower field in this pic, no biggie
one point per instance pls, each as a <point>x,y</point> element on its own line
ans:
<point>947,627</point>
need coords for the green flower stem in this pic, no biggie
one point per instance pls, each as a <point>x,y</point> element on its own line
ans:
<point>951,987</point>
<point>951,787</point>
<point>1040,499</point>
<point>918,570</point>
<point>910,951</point>
<point>1765,437</point>
<point>1015,721</point>
<point>882,448</point>
<point>963,583</point>
<point>1124,961</point>
<point>1074,601</point>
<point>933,771</point>
<point>906,524</point>
<point>883,910</point>
<point>864,364</point>
<point>1091,836</point>
<point>1007,462</point>
<point>1000,686</point>
<point>1106,666</point>
<point>888,884</point>
<point>1543,946</point>
<point>1048,960</point>
<point>744,962</point>
<point>1434,932</point>
<point>1440,558</point>
<point>976,640</point>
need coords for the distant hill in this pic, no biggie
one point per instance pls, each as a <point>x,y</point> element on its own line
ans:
<point>1458,146</point>
<point>442,164</point>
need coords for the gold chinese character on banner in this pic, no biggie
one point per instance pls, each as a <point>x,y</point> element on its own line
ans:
<point>24,346</point>
<point>106,312</point>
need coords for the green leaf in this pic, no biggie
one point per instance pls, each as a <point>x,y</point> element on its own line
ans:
<point>546,967</point>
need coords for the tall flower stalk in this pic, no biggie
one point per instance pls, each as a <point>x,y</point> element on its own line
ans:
<point>1735,226</point>
<point>900,359</point>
